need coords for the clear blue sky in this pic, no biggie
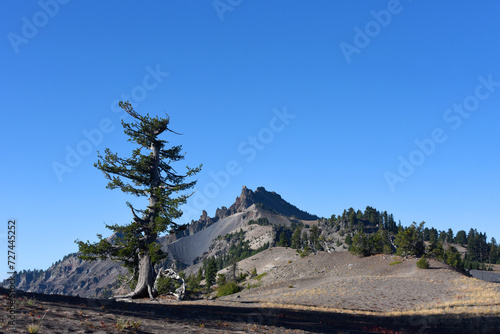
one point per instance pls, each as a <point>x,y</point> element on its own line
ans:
<point>320,101</point>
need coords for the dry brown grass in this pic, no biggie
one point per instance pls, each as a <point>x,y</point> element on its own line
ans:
<point>472,298</point>
<point>341,283</point>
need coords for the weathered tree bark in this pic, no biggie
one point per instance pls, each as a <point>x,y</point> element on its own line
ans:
<point>146,278</point>
<point>145,282</point>
<point>170,273</point>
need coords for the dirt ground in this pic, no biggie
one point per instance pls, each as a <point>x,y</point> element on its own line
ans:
<point>63,314</point>
<point>322,293</point>
<point>344,281</point>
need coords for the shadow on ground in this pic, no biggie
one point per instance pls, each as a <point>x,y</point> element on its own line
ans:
<point>158,317</point>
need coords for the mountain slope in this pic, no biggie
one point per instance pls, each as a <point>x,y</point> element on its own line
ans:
<point>189,248</point>
<point>72,276</point>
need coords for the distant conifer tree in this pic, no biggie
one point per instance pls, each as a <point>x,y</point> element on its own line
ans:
<point>283,241</point>
<point>296,238</point>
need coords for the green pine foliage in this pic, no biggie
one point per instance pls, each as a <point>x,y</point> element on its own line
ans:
<point>283,240</point>
<point>374,232</point>
<point>461,238</point>
<point>296,242</point>
<point>366,245</point>
<point>192,283</point>
<point>166,285</point>
<point>348,240</point>
<point>261,221</point>
<point>211,273</point>
<point>238,250</point>
<point>305,240</point>
<point>314,237</point>
<point>410,241</point>
<point>360,244</point>
<point>221,279</point>
<point>478,248</point>
<point>146,173</point>
<point>453,258</point>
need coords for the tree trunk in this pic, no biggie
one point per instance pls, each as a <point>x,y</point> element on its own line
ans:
<point>145,281</point>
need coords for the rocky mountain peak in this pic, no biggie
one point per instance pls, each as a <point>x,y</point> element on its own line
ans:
<point>72,276</point>
<point>267,200</point>
<point>242,202</point>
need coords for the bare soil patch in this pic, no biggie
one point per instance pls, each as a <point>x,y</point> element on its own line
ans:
<point>64,314</point>
<point>322,293</point>
<point>344,281</point>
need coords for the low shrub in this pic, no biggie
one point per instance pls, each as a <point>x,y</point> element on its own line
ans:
<point>423,263</point>
<point>259,277</point>
<point>122,325</point>
<point>167,284</point>
<point>252,286</point>
<point>228,289</point>
<point>305,252</point>
<point>33,328</point>
<point>395,262</point>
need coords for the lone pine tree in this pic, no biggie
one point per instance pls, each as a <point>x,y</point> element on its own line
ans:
<point>144,174</point>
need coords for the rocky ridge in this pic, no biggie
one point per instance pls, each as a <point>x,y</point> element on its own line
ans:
<point>72,276</point>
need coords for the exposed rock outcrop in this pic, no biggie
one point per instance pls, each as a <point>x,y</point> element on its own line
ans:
<point>72,276</point>
<point>269,201</point>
